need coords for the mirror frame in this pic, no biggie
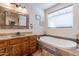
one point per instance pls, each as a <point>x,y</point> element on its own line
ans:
<point>4,26</point>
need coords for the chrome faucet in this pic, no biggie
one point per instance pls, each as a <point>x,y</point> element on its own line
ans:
<point>77,38</point>
<point>18,33</point>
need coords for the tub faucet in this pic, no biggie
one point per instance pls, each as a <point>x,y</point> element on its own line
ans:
<point>77,38</point>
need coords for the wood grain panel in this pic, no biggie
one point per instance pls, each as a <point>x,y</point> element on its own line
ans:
<point>15,50</point>
<point>3,43</point>
<point>18,46</point>
<point>15,41</point>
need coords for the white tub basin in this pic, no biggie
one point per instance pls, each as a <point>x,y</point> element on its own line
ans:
<point>60,43</point>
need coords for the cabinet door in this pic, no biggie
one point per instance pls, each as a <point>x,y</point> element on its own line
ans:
<point>25,48</point>
<point>4,52</point>
<point>15,50</point>
<point>33,44</point>
<point>33,41</point>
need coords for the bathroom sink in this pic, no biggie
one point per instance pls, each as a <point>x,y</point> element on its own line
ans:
<point>21,34</point>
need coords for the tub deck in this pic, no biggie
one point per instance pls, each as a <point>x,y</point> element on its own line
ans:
<point>58,51</point>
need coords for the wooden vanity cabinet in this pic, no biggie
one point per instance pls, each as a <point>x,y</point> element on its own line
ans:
<point>18,46</point>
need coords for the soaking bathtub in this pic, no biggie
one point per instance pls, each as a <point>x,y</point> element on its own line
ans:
<point>56,42</point>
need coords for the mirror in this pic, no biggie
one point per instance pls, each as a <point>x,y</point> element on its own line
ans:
<point>9,20</point>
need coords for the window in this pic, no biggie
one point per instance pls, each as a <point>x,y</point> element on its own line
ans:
<point>62,18</point>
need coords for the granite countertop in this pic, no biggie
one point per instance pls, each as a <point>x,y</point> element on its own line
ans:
<point>7,37</point>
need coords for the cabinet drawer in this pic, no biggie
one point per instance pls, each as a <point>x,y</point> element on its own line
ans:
<point>3,44</point>
<point>15,41</point>
<point>26,44</point>
<point>33,44</point>
<point>25,39</point>
<point>2,51</point>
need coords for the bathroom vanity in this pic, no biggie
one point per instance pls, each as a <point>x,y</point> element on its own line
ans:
<point>13,18</point>
<point>18,46</point>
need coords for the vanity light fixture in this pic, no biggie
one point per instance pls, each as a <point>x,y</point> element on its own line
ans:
<point>22,9</point>
<point>19,7</point>
<point>13,7</point>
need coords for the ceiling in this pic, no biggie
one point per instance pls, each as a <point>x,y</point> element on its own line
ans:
<point>39,5</point>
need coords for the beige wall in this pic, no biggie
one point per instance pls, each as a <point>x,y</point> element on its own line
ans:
<point>37,29</point>
<point>65,32</point>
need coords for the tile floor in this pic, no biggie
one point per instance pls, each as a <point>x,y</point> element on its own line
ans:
<point>43,53</point>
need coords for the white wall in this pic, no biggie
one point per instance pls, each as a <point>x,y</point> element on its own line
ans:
<point>37,29</point>
<point>64,32</point>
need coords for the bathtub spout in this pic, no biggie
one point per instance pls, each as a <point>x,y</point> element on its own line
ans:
<point>77,38</point>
